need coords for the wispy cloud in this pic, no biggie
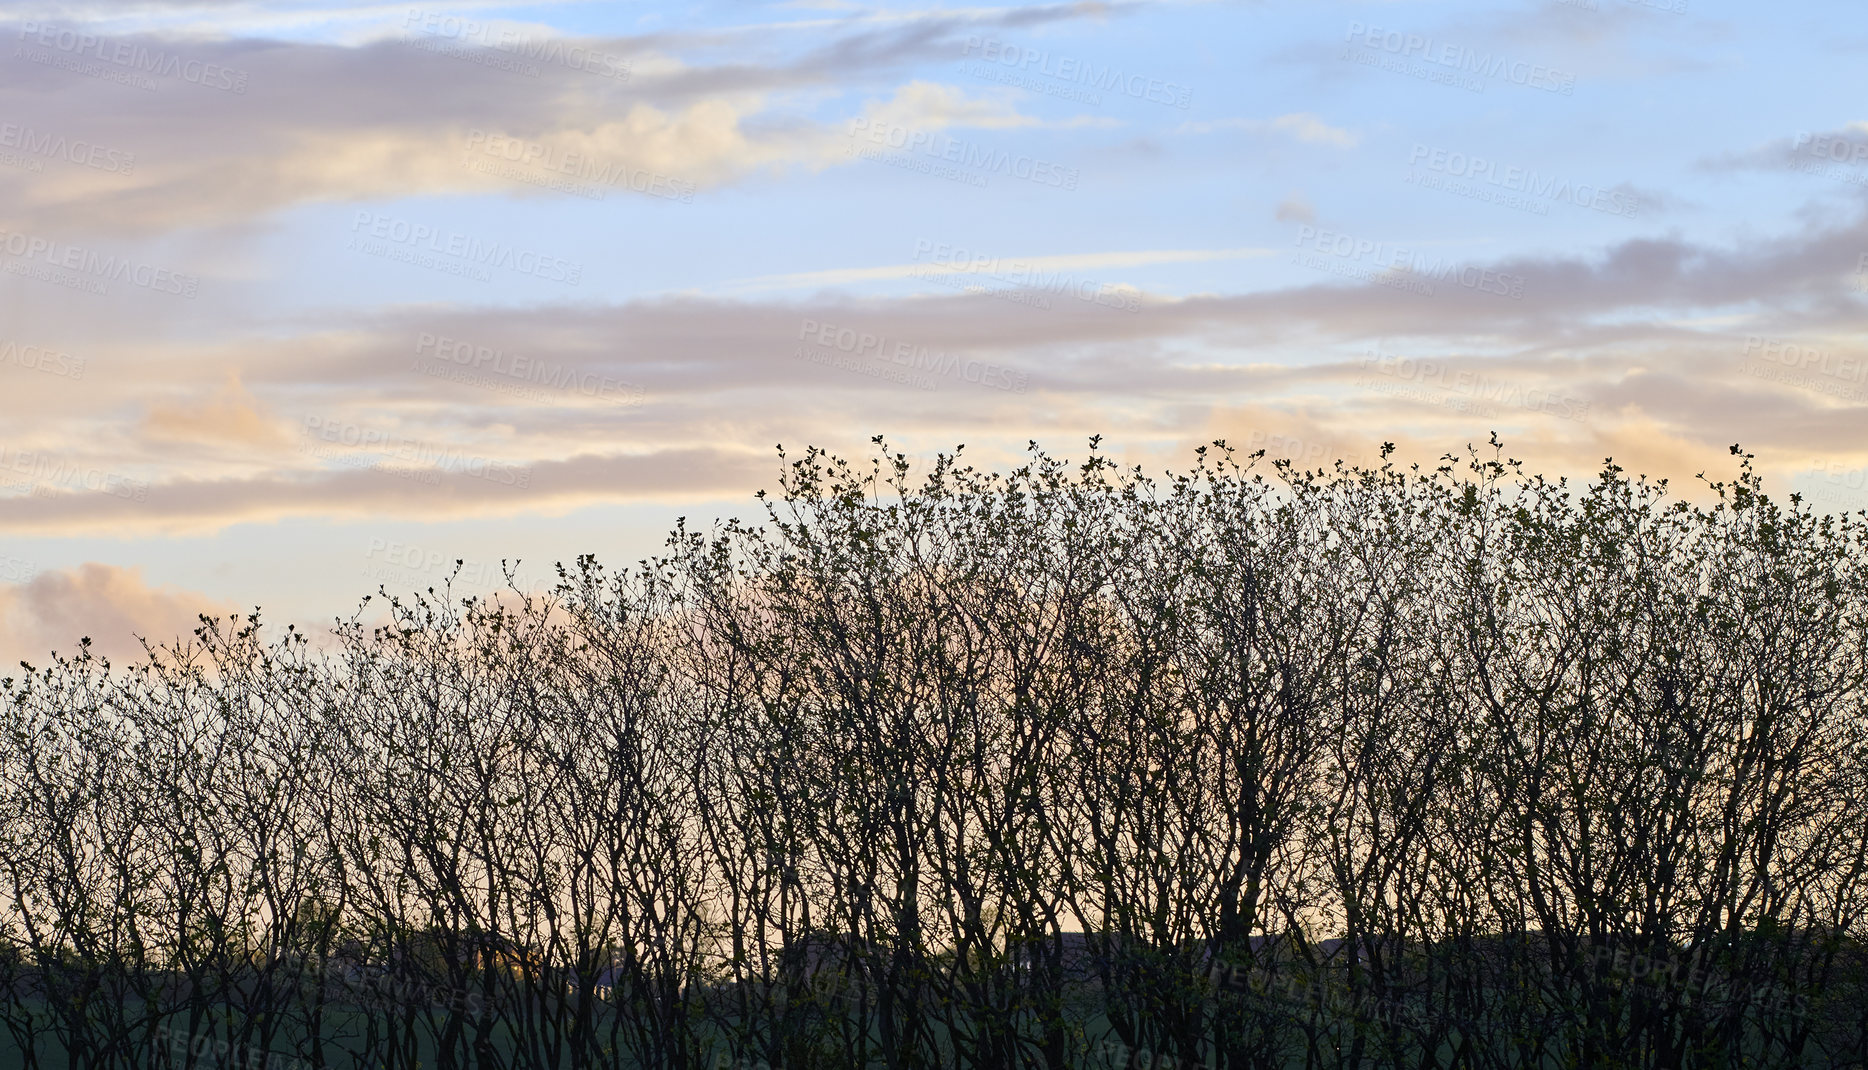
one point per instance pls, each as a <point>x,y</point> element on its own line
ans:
<point>1063,262</point>
<point>1303,126</point>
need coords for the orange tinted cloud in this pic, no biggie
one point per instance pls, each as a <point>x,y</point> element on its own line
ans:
<point>113,606</point>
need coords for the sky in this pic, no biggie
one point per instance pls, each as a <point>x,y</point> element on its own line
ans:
<point>298,299</point>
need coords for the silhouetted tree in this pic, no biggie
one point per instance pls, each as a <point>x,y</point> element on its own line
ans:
<point>934,767</point>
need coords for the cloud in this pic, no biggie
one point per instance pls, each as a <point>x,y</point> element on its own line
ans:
<point>313,127</point>
<point>821,5</point>
<point>230,416</point>
<point>923,105</point>
<point>314,122</point>
<point>1295,209</point>
<point>113,606</point>
<point>1650,334</point>
<point>946,264</point>
<point>1301,125</point>
<point>457,483</point>
<point>1841,151</point>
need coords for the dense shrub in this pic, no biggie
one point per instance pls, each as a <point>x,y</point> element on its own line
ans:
<point>1244,767</point>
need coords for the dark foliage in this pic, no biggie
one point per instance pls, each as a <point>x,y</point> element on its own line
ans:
<point>1247,767</point>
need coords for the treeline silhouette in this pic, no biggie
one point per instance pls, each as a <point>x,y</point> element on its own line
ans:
<point>1247,766</point>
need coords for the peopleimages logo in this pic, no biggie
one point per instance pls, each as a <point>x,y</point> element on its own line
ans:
<point>556,162</point>
<point>1462,59</point>
<point>471,251</point>
<point>1843,478</point>
<point>1107,78</point>
<point>1829,147</point>
<point>132,57</point>
<point>954,150</point>
<point>42,470</point>
<point>1806,367</point>
<point>58,147</point>
<point>913,357</point>
<point>498,369</point>
<point>950,262</point>
<point>1302,451</point>
<point>101,269</point>
<point>1522,180</point>
<point>41,359</point>
<point>1399,262</point>
<point>1807,358</point>
<point>209,1052</point>
<point>1695,978</point>
<point>411,558</point>
<point>1471,384</point>
<point>484,35</point>
<point>402,448</point>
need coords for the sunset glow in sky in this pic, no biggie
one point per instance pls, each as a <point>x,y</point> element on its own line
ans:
<point>300,298</point>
